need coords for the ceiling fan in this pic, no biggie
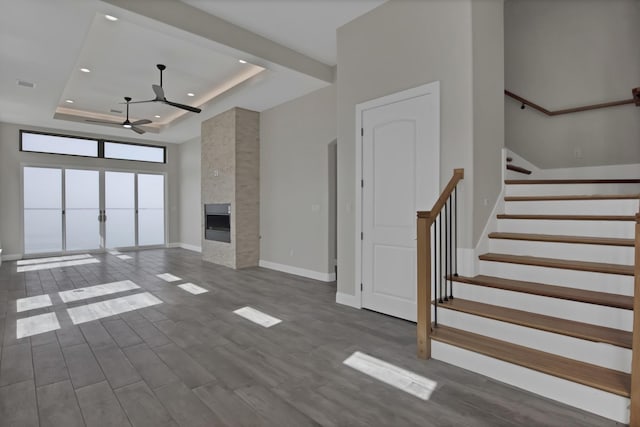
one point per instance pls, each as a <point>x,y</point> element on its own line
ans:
<point>126,124</point>
<point>159,91</point>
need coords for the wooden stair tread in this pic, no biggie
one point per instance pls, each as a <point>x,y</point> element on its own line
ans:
<point>543,322</point>
<point>569,217</point>
<point>596,267</point>
<point>572,197</point>
<point>572,181</point>
<point>551,291</point>
<point>587,240</point>
<point>605,379</point>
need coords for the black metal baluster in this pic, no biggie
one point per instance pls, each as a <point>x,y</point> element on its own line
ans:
<point>446,252</point>
<point>450,272</point>
<point>440,256</point>
<point>455,252</point>
<point>435,273</point>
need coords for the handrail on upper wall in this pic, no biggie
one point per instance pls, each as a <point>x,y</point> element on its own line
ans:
<point>635,100</point>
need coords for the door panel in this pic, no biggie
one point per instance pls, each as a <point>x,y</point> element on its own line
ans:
<point>82,208</point>
<point>150,209</point>
<point>400,169</point>
<point>119,198</point>
<point>42,210</point>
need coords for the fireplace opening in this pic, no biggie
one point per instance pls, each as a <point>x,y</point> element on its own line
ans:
<point>217,222</point>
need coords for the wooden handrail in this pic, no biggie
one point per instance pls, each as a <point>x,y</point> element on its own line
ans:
<point>634,100</point>
<point>635,346</point>
<point>424,222</point>
<point>458,175</point>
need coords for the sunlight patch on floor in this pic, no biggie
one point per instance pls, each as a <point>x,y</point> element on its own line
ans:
<point>31,303</point>
<point>35,325</point>
<point>97,291</point>
<point>102,309</point>
<point>393,375</point>
<point>257,316</point>
<point>124,257</point>
<point>167,277</point>
<point>52,259</point>
<point>58,264</point>
<point>192,289</point>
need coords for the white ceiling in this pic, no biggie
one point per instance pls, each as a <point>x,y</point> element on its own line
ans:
<point>47,42</point>
<point>306,26</point>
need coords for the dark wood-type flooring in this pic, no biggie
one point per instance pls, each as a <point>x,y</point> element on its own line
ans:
<point>191,361</point>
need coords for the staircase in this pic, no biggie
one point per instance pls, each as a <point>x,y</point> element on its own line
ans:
<point>551,310</point>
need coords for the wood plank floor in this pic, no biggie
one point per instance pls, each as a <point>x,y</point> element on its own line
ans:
<point>190,361</point>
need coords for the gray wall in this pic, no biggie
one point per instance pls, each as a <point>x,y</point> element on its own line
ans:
<point>190,205</point>
<point>295,182</point>
<point>399,45</point>
<point>10,191</point>
<point>488,108</point>
<point>568,53</point>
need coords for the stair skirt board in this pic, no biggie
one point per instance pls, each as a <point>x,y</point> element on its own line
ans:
<point>589,399</point>
<point>573,251</point>
<point>602,282</point>
<point>605,355</point>
<point>573,207</point>
<point>621,229</point>
<point>571,310</point>
<point>570,189</point>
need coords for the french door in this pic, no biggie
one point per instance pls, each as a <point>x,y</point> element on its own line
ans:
<point>71,209</point>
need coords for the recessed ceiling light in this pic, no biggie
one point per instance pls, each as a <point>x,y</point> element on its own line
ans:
<point>242,61</point>
<point>111,17</point>
<point>69,101</point>
<point>191,94</point>
<point>85,70</point>
<point>156,116</point>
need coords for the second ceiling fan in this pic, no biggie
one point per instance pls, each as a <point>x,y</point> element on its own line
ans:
<point>160,97</point>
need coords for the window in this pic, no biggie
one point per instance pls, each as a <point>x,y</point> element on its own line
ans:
<point>54,144</point>
<point>122,151</point>
<point>38,142</point>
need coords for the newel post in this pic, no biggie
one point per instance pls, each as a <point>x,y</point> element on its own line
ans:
<point>635,355</point>
<point>424,284</point>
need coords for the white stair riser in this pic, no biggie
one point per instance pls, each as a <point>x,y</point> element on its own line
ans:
<point>600,354</point>
<point>624,229</point>
<point>569,189</point>
<point>578,252</point>
<point>573,207</point>
<point>565,309</point>
<point>587,398</point>
<point>602,282</point>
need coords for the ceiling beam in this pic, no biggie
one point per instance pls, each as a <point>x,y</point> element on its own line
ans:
<point>188,18</point>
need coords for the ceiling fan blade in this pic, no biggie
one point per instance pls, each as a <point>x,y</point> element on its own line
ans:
<point>184,107</point>
<point>104,122</point>
<point>137,130</point>
<point>141,122</point>
<point>158,91</point>
<point>142,102</point>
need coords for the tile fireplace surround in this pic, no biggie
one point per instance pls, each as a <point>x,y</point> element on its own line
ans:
<point>231,174</point>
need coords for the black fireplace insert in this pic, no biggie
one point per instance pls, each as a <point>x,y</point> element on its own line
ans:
<point>217,222</point>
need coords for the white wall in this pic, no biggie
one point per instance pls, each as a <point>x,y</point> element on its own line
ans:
<point>190,204</point>
<point>568,53</point>
<point>399,45</point>
<point>488,108</point>
<point>295,186</point>
<point>11,158</point>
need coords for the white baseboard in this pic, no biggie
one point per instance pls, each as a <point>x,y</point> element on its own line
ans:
<point>185,246</point>
<point>350,300</point>
<point>11,257</point>
<point>316,275</point>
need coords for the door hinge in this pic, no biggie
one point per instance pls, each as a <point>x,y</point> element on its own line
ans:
<point>362,183</point>
<point>361,287</point>
<point>361,235</point>
<point>361,131</point>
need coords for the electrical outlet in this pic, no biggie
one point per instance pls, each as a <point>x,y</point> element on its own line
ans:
<point>290,252</point>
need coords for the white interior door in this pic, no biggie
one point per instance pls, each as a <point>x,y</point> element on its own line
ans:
<point>400,171</point>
